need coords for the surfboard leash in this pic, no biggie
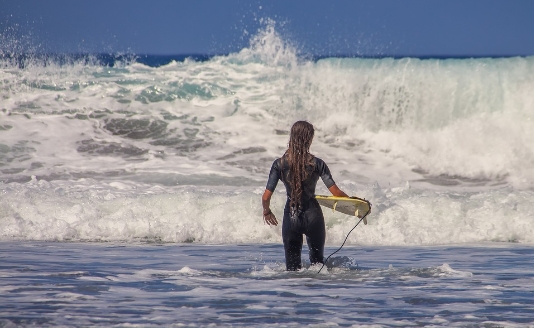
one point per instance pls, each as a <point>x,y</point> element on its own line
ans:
<point>363,217</point>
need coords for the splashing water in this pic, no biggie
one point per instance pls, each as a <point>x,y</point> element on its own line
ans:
<point>442,148</point>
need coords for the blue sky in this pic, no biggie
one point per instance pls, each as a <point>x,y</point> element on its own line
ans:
<point>317,27</point>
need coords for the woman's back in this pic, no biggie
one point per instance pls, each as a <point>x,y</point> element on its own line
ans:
<point>315,169</point>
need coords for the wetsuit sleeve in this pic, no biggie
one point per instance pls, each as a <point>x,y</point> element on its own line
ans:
<point>324,173</point>
<point>274,176</point>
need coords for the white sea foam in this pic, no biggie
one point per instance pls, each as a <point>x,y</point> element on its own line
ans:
<point>181,152</point>
<point>40,210</point>
<point>450,272</point>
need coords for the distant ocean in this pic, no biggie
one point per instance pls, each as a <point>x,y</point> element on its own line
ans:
<point>130,189</point>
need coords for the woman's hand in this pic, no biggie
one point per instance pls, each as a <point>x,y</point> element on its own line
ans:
<point>268,216</point>
<point>270,219</point>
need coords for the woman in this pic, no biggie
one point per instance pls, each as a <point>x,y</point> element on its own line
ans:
<point>299,171</point>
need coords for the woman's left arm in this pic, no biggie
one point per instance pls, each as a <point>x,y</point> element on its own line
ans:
<point>337,192</point>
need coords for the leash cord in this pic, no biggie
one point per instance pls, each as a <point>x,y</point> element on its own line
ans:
<point>344,240</point>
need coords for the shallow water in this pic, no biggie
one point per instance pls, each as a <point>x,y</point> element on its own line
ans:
<point>100,284</point>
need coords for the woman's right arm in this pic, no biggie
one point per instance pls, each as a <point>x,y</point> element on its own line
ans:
<point>274,176</point>
<point>268,216</point>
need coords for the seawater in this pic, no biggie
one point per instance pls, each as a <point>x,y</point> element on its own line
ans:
<point>175,285</point>
<point>105,167</point>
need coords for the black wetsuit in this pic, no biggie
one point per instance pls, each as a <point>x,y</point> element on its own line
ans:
<point>309,218</point>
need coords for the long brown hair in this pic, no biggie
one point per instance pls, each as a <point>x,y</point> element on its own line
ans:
<point>298,156</point>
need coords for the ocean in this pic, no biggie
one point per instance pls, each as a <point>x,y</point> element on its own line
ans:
<point>130,189</point>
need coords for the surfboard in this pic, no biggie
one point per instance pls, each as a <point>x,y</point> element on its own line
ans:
<point>348,205</point>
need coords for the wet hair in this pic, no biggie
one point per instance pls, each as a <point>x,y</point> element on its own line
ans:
<point>298,156</point>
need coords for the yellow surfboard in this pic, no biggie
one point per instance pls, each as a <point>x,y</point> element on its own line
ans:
<point>348,205</point>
